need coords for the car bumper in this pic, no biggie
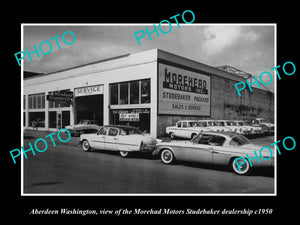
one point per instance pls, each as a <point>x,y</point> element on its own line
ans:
<point>148,148</point>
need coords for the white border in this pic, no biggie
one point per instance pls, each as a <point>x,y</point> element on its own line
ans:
<point>152,194</point>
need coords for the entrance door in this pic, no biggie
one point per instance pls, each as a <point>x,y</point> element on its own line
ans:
<point>89,108</point>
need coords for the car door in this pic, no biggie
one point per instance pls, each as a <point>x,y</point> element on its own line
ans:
<point>98,140</point>
<point>199,150</point>
<point>186,130</point>
<point>178,131</point>
<point>111,139</point>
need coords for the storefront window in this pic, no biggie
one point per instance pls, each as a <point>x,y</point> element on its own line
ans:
<point>139,118</point>
<point>134,92</point>
<point>37,119</point>
<point>24,101</point>
<point>124,93</point>
<point>114,94</point>
<point>36,101</point>
<point>145,91</point>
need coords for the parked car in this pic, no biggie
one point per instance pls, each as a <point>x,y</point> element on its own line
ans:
<point>125,139</point>
<point>265,128</point>
<point>214,125</point>
<point>83,127</point>
<point>262,121</point>
<point>234,128</point>
<point>245,127</point>
<point>252,129</point>
<point>186,129</point>
<point>213,148</point>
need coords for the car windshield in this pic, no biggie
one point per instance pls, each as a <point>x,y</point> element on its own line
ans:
<point>130,130</point>
<point>239,140</point>
<point>220,123</point>
<point>245,123</point>
<point>238,123</point>
<point>210,123</point>
<point>196,124</point>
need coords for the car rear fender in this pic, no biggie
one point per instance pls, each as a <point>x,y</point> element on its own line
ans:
<point>125,144</point>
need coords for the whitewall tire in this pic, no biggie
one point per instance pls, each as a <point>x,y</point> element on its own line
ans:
<point>86,146</point>
<point>243,169</point>
<point>124,154</point>
<point>167,156</point>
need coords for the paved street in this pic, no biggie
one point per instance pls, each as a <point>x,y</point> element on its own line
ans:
<point>67,169</point>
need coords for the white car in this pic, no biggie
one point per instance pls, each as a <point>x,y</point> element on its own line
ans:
<point>242,127</point>
<point>230,124</point>
<point>186,129</point>
<point>263,122</point>
<point>216,149</point>
<point>83,127</point>
<point>125,139</point>
<point>247,128</point>
<point>213,125</point>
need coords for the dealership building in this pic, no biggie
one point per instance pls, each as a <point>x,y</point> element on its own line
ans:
<point>150,90</point>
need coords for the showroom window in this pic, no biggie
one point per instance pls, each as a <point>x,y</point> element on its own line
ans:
<point>123,93</point>
<point>24,101</point>
<point>133,92</point>
<point>114,93</point>
<point>145,91</point>
<point>36,101</point>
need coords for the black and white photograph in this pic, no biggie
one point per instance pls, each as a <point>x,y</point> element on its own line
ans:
<point>150,113</point>
<point>163,118</point>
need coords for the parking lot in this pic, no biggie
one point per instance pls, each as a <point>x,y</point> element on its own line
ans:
<point>67,169</point>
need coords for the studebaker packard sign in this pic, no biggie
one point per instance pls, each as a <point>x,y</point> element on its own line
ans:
<point>183,92</point>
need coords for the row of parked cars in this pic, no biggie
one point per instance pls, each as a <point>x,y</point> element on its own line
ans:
<point>190,128</point>
<point>209,147</point>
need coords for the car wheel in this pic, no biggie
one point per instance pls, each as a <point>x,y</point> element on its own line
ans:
<point>86,146</point>
<point>244,168</point>
<point>172,135</point>
<point>124,154</point>
<point>167,156</point>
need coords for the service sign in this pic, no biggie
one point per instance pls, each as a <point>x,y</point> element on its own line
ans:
<point>89,90</point>
<point>183,92</point>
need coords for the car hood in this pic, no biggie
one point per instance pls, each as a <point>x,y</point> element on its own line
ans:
<point>268,124</point>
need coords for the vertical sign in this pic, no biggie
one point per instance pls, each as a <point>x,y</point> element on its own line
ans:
<point>183,92</point>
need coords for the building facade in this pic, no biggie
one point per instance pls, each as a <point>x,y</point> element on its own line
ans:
<point>150,90</point>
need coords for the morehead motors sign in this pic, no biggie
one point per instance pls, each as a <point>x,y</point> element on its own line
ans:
<point>183,92</point>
